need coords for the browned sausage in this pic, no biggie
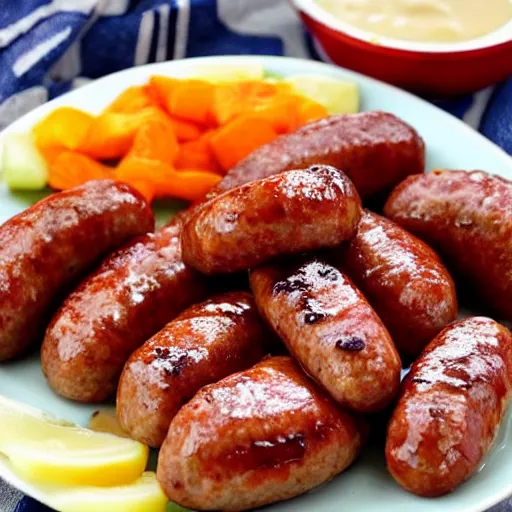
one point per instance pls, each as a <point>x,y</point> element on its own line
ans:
<point>45,248</point>
<point>375,149</point>
<point>132,295</point>
<point>330,328</point>
<point>402,278</point>
<point>256,437</point>
<point>467,217</point>
<point>204,344</point>
<point>296,211</point>
<point>450,407</point>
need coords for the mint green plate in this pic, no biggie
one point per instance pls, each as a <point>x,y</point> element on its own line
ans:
<point>450,144</point>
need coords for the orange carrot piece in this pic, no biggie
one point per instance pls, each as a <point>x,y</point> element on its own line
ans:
<point>161,88</point>
<point>154,146</point>
<point>147,189</point>
<point>188,184</point>
<point>65,126</point>
<point>233,98</point>
<point>138,169</point>
<point>192,100</point>
<point>234,141</point>
<point>198,154</point>
<point>50,153</point>
<point>70,169</point>
<point>283,112</point>
<point>310,110</point>
<point>153,96</point>
<point>155,140</point>
<point>185,130</point>
<point>111,134</point>
<point>131,100</point>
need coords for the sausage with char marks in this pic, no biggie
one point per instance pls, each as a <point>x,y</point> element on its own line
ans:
<point>204,344</point>
<point>297,211</point>
<point>133,294</point>
<point>450,407</point>
<point>467,218</point>
<point>332,331</point>
<point>376,150</point>
<point>402,278</point>
<point>44,249</point>
<point>259,436</point>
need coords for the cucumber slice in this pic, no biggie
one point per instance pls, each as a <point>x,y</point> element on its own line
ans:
<point>23,167</point>
<point>336,96</point>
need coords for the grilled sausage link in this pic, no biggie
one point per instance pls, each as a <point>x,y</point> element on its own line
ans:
<point>44,249</point>
<point>467,218</point>
<point>204,344</point>
<point>132,295</point>
<point>402,278</point>
<point>332,331</point>
<point>296,211</point>
<point>259,436</point>
<point>450,407</point>
<point>376,150</point>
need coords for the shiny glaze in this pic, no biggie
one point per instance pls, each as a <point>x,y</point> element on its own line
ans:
<point>450,407</point>
<point>44,249</point>
<point>255,437</point>
<point>297,211</point>
<point>207,342</point>
<point>402,278</point>
<point>375,149</point>
<point>132,295</point>
<point>467,217</point>
<point>347,349</point>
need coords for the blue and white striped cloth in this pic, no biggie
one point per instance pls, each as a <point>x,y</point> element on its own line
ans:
<point>48,47</point>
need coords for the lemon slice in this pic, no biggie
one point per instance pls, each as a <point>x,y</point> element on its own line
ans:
<point>336,96</point>
<point>143,495</point>
<point>45,450</point>
<point>23,167</point>
<point>229,72</point>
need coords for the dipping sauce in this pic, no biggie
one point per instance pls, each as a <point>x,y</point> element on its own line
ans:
<point>434,21</point>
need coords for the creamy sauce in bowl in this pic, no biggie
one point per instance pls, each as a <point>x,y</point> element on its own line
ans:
<point>431,21</point>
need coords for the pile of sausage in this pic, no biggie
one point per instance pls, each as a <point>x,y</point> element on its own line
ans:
<point>256,397</point>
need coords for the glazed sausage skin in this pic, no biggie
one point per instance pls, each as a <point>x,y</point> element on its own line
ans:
<point>296,211</point>
<point>44,249</point>
<point>402,278</point>
<point>259,436</point>
<point>206,343</point>
<point>133,294</point>
<point>332,331</point>
<point>376,150</point>
<point>450,407</point>
<point>467,218</point>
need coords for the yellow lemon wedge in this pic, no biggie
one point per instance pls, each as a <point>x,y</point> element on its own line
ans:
<point>142,495</point>
<point>45,450</point>
<point>337,96</point>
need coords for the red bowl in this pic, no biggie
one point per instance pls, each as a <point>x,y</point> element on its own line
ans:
<point>434,69</point>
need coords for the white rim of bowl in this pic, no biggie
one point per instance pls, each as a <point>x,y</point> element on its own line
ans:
<point>310,7</point>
